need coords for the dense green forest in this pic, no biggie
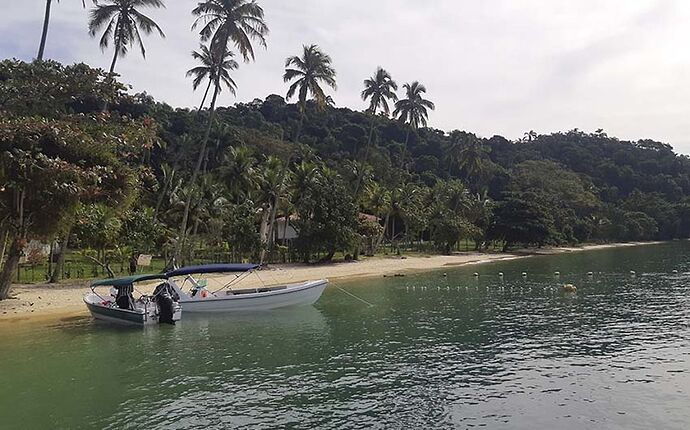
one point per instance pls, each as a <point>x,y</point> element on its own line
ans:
<point>87,165</point>
<point>445,187</point>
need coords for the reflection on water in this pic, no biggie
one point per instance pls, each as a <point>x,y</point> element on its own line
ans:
<point>434,351</point>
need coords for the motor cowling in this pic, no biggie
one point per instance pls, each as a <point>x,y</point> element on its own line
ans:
<point>164,296</point>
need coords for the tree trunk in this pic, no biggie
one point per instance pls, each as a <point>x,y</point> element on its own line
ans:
<point>360,176</point>
<point>404,151</point>
<point>201,106</point>
<point>10,267</point>
<point>301,124</point>
<point>328,257</point>
<point>60,263</point>
<point>5,238</point>
<point>185,217</point>
<point>44,36</point>
<point>383,232</point>
<point>112,65</point>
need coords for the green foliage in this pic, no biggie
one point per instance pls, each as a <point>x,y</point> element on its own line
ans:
<point>57,164</point>
<point>327,217</point>
<point>97,227</point>
<point>142,232</point>
<point>521,219</point>
<point>49,89</point>
<point>240,229</point>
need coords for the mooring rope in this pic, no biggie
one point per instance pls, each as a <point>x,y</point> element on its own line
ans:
<point>352,295</point>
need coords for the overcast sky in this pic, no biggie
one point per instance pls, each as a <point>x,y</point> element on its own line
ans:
<point>492,66</point>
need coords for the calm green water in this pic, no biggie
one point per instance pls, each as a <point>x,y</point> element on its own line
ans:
<point>433,352</point>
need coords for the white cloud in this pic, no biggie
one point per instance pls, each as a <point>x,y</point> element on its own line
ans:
<point>492,67</point>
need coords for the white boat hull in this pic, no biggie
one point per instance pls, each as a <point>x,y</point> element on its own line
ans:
<point>292,295</point>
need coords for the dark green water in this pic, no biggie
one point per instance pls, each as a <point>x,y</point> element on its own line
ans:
<point>433,352</point>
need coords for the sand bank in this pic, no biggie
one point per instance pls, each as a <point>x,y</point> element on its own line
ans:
<point>40,302</point>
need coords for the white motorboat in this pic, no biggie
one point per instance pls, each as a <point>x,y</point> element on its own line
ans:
<point>119,305</point>
<point>198,297</point>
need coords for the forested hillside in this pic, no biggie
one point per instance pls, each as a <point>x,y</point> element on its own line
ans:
<point>125,178</point>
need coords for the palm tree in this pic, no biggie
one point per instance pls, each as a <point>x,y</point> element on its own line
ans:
<point>379,202</point>
<point>239,170</point>
<point>471,159</point>
<point>123,22</point>
<point>46,22</point>
<point>380,88</point>
<point>412,110</point>
<point>239,21</point>
<point>210,65</point>
<point>310,70</point>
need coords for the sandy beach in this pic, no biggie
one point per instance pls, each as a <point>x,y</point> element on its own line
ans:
<point>40,302</point>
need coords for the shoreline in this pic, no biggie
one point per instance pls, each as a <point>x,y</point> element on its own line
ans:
<point>40,303</point>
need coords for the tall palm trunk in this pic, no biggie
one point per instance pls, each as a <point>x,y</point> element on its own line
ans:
<point>44,36</point>
<point>112,65</point>
<point>301,124</point>
<point>203,101</point>
<point>383,232</point>
<point>188,204</point>
<point>111,76</point>
<point>404,151</point>
<point>360,175</point>
<point>60,263</point>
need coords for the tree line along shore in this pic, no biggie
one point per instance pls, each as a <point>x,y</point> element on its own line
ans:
<point>106,175</point>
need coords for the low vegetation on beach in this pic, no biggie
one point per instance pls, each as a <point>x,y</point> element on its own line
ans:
<point>103,175</point>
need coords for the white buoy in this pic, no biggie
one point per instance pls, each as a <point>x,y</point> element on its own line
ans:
<point>476,275</point>
<point>556,273</point>
<point>500,274</point>
<point>675,272</point>
<point>633,273</point>
<point>445,275</point>
<point>524,274</point>
<point>590,273</point>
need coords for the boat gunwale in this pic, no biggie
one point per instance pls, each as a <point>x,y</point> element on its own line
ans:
<point>301,287</point>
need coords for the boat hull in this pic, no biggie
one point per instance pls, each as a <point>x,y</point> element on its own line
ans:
<point>292,296</point>
<point>123,316</point>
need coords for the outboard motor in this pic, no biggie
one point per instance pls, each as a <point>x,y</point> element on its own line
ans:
<point>164,296</point>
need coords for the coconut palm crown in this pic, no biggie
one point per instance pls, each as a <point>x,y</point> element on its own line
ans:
<point>211,64</point>
<point>413,108</point>
<point>380,88</point>
<point>239,21</point>
<point>308,71</point>
<point>123,23</point>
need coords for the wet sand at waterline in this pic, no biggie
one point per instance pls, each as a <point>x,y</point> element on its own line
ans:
<point>36,303</point>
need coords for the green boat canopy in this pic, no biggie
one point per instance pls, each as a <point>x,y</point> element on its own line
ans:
<point>129,280</point>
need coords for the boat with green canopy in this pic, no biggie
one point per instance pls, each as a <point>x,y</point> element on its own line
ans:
<point>118,304</point>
